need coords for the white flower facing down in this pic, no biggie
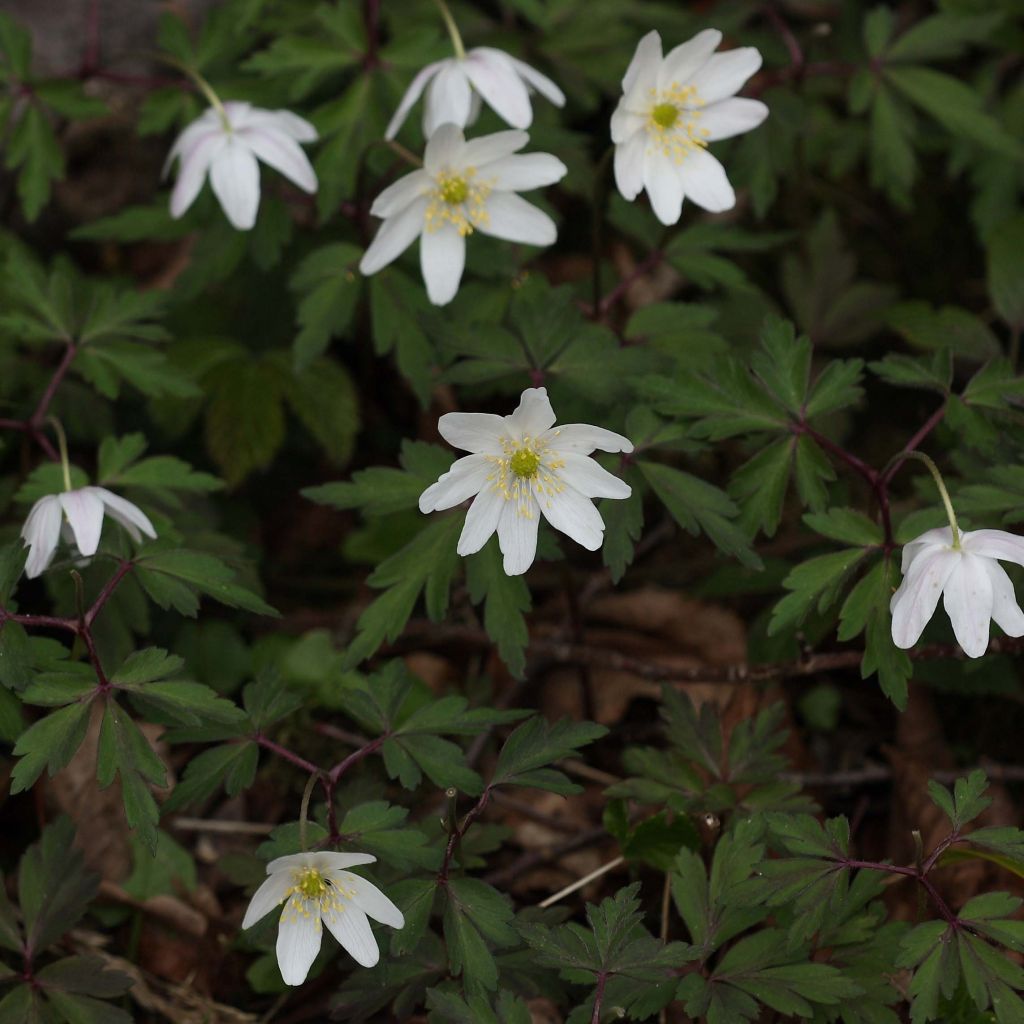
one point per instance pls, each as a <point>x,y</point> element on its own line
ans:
<point>973,585</point>
<point>229,154</point>
<point>85,509</point>
<point>316,890</point>
<point>457,86</point>
<point>463,187</point>
<point>671,108</point>
<point>523,467</point>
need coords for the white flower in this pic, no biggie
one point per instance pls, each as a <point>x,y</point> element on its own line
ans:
<point>973,585</point>
<point>84,509</point>
<point>523,467</point>
<point>463,186</point>
<point>315,888</point>
<point>671,108</point>
<point>458,84</point>
<point>230,153</point>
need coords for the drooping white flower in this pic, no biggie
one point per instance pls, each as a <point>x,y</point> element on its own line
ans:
<point>230,152</point>
<point>84,509</point>
<point>670,109</point>
<point>973,585</point>
<point>523,467</point>
<point>463,187</point>
<point>316,890</point>
<point>456,86</point>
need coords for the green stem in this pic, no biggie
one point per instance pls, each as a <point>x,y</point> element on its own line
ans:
<point>940,483</point>
<point>304,810</point>
<point>62,444</point>
<point>597,221</point>
<point>204,87</point>
<point>453,29</point>
<point>407,155</point>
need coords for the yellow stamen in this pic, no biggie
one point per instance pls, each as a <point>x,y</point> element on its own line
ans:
<point>313,894</point>
<point>524,463</point>
<point>672,121</point>
<point>460,200</point>
<point>664,115</point>
<point>526,470</point>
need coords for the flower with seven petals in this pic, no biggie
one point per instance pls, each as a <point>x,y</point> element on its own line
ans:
<point>973,585</point>
<point>671,108</point>
<point>457,86</point>
<point>463,187</point>
<point>84,508</point>
<point>316,890</point>
<point>226,143</point>
<point>522,467</point>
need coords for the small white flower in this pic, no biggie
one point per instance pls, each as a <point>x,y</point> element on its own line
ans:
<point>671,108</point>
<point>457,85</point>
<point>973,585</point>
<point>84,509</point>
<point>523,467</point>
<point>463,187</point>
<point>229,153</point>
<point>315,888</point>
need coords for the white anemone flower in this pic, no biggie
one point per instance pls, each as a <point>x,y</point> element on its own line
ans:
<point>463,187</point>
<point>523,467</point>
<point>973,585</point>
<point>227,144</point>
<point>316,890</point>
<point>455,88</point>
<point>85,509</point>
<point>671,108</point>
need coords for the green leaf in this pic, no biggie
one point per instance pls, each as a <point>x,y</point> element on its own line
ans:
<point>398,307</point>
<point>506,599</point>
<point>32,149</point>
<point>846,525</point>
<point>329,287</point>
<point>926,327</point>
<point>814,585</point>
<point>967,800</point>
<point>534,745</point>
<point>1006,270</point>
<point>232,766</point>
<point>943,36</point>
<point>49,743</point>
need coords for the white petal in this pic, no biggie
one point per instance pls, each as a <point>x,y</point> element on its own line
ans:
<point>517,535</point>
<point>283,153</point>
<point>239,113</point>
<point>468,476</point>
<point>642,73</point>
<point>626,123</point>
<point>968,600</point>
<point>705,183</point>
<point>590,478</point>
<point>534,78</point>
<point>298,940</point>
<point>412,94</point>
<point>444,149</point>
<point>533,415</point>
<point>442,260</point>
<point>195,162</point>
<point>583,438</point>
<point>474,431</point>
<point>629,165</point>
<point>575,516</point>
<point>1007,547</point>
<point>293,861</point>
<point>84,510</point>
<point>682,61</point>
<point>915,601</point>
<point>525,171</point>
<point>393,237</point>
<point>512,218</point>
<point>1005,611</point>
<point>269,895</point>
<point>723,74</point>
<point>129,515</point>
<point>731,117</point>
<point>41,534</point>
<point>349,926</point>
<point>494,77</point>
<point>664,186</point>
<point>325,861</point>
<point>483,152</point>
<point>481,520</point>
<point>475,106</point>
<point>297,128</point>
<point>207,124</point>
<point>235,177</point>
<point>448,100</point>
<point>371,900</point>
<point>942,537</point>
<point>398,195</point>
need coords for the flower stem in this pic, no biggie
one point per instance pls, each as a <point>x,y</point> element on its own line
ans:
<point>407,155</point>
<point>204,87</point>
<point>62,443</point>
<point>941,484</point>
<point>304,809</point>
<point>453,29</point>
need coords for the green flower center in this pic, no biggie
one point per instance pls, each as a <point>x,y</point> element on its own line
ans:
<point>454,190</point>
<point>664,115</point>
<point>524,463</point>
<point>311,883</point>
